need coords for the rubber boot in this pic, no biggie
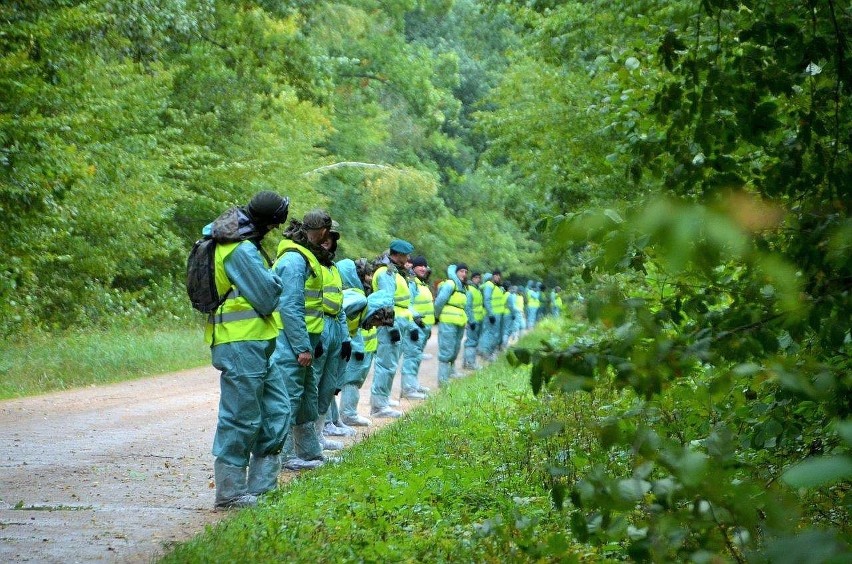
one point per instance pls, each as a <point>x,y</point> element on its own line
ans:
<point>301,449</point>
<point>327,444</point>
<point>349,397</point>
<point>444,370</point>
<point>263,473</point>
<point>231,487</point>
<point>469,360</point>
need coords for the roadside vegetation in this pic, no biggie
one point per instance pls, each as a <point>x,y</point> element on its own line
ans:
<point>457,479</point>
<point>44,363</point>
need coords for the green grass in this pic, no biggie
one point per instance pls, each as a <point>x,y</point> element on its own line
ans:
<point>451,482</point>
<point>43,363</point>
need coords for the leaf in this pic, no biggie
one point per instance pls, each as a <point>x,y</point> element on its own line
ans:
<point>536,378</point>
<point>819,471</point>
<point>844,429</point>
<point>550,429</point>
<point>632,63</point>
<point>557,493</point>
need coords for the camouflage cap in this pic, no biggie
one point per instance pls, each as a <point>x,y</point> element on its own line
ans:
<point>317,219</point>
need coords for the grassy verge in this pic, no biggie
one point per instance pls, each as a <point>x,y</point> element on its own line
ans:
<point>44,363</point>
<point>453,481</point>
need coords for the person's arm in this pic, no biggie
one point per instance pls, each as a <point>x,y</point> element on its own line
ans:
<point>293,271</point>
<point>486,299</point>
<point>247,270</point>
<point>445,290</point>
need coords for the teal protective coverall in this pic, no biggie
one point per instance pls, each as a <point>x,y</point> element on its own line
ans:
<point>301,381</point>
<point>254,409</point>
<point>449,334</point>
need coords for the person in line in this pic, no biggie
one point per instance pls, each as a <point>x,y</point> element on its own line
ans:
<point>335,347</point>
<point>451,307</point>
<point>365,311</point>
<point>475,316</point>
<point>389,276</point>
<point>515,307</point>
<point>494,300</point>
<point>556,305</point>
<point>253,408</point>
<point>424,319</point>
<point>301,320</point>
<point>533,303</point>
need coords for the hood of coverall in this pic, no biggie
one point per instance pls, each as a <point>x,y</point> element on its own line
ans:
<point>349,274</point>
<point>451,274</point>
<point>380,300</point>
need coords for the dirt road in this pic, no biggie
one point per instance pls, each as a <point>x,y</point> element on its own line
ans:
<point>118,473</point>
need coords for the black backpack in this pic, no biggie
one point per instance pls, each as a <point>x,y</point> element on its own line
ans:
<point>201,276</point>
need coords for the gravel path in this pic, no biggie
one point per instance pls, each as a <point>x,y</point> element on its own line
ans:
<point>118,473</point>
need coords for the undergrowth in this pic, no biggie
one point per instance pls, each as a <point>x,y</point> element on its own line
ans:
<point>454,480</point>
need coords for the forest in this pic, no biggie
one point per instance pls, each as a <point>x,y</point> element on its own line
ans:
<point>681,168</point>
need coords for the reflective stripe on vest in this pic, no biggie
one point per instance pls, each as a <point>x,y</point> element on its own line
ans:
<point>313,285</point>
<point>498,299</point>
<point>236,319</point>
<point>453,311</point>
<point>423,303</point>
<point>476,303</point>
<point>533,299</point>
<point>401,296</point>
<point>332,291</point>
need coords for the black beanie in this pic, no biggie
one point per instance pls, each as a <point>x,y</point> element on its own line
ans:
<point>268,208</point>
<point>419,261</point>
<point>462,266</point>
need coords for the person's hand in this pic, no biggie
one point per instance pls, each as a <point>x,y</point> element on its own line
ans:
<point>394,335</point>
<point>305,358</point>
<point>471,326</point>
<point>346,350</point>
<point>492,320</point>
<point>319,350</point>
<point>414,335</point>
<point>359,356</point>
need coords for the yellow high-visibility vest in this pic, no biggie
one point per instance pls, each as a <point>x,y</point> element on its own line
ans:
<point>236,319</point>
<point>423,303</point>
<point>453,311</point>
<point>402,295</point>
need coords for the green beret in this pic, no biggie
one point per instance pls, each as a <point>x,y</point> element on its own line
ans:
<point>402,247</point>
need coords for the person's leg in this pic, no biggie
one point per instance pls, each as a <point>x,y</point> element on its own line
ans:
<point>243,367</point>
<point>387,356</point>
<point>412,352</point>
<point>265,463</point>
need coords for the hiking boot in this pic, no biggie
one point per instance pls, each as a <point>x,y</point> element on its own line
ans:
<point>393,403</point>
<point>413,396</point>
<point>356,421</point>
<point>385,412</point>
<point>423,389</point>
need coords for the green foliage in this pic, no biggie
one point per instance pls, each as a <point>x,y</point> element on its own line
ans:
<point>44,362</point>
<point>715,362</point>
<point>126,127</point>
